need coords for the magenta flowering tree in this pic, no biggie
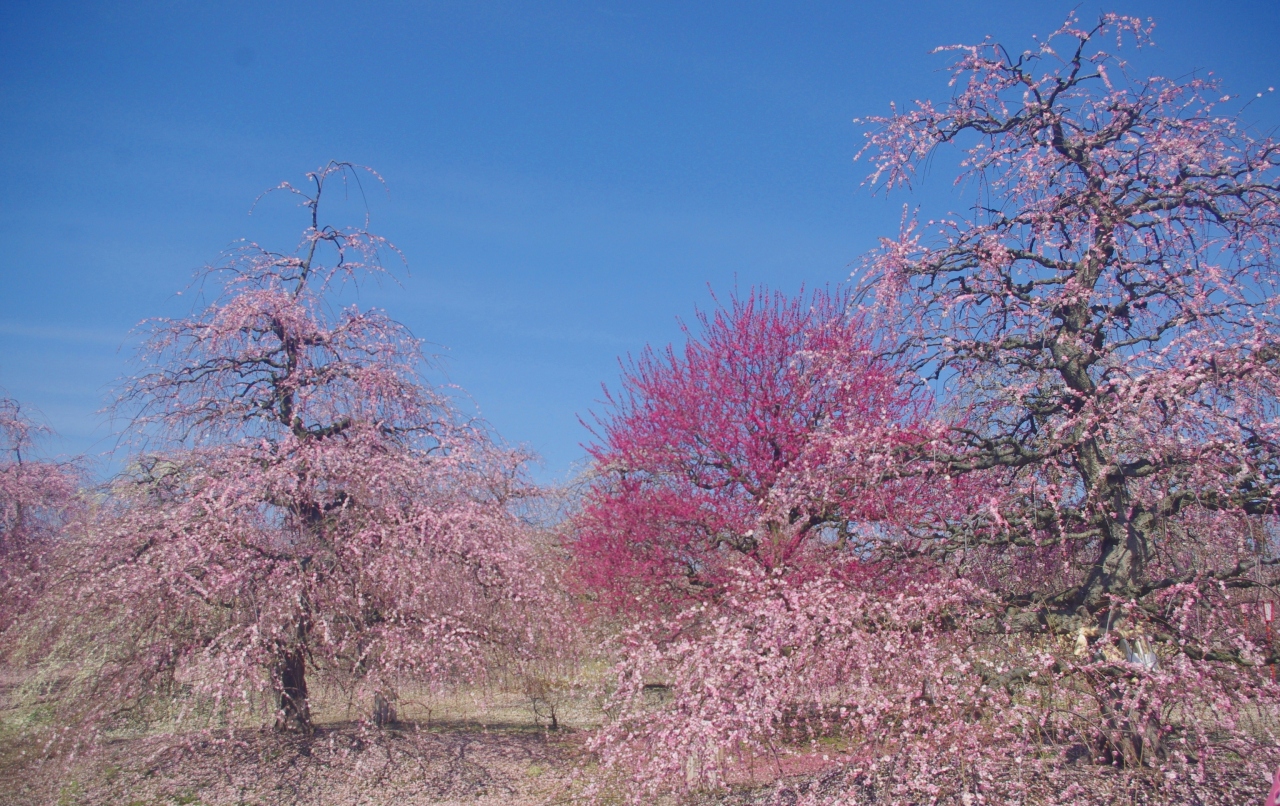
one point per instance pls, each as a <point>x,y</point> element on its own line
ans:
<point>1101,334</point>
<point>307,507</point>
<point>720,455</point>
<point>36,499</point>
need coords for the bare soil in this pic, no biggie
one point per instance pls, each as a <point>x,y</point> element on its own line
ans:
<point>349,763</point>
<point>356,765</point>
<point>495,750</point>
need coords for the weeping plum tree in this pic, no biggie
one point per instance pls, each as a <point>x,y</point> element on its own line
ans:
<point>721,455</point>
<point>1101,332</point>
<point>36,498</point>
<point>1105,319</point>
<point>307,505</point>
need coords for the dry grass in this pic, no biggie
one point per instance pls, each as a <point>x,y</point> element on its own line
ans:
<point>471,748</point>
<point>478,747</point>
<point>342,763</point>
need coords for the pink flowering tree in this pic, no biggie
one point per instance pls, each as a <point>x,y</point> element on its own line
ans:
<point>1106,323</point>
<point>1107,320</point>
<point>36,499</point>
<point>1100,332</point>
<point>308,509</point>
<point>720,455</point>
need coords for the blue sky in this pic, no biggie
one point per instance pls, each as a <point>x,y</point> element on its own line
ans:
<point>566,179</point>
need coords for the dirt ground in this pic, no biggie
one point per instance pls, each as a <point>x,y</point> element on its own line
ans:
<point>338,764</point>
<point>512,765</point>
<point>484,751</point>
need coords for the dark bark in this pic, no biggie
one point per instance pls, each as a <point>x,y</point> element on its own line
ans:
<point>294,712</point>
<point>384,713</point>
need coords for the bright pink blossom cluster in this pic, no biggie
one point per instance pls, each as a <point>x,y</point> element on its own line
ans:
<point>769,441</point>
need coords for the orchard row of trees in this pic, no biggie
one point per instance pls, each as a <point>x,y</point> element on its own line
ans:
<point>1007,501</point>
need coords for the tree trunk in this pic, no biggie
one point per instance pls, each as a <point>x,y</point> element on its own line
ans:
<point>384,713</point>
<point>1134,735</point>
<point>294,711</point>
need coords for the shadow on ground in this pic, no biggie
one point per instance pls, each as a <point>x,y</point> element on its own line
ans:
<point>341,763</point>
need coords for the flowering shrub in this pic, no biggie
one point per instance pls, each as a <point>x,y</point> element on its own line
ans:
<point>912,685</point>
